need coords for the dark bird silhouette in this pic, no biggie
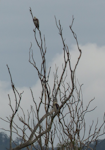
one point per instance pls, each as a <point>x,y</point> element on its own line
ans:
<point>36,22</point>
<point>55,105</point>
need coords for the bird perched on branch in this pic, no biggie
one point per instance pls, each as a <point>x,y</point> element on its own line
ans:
<point>55,105</point>
<point>36,22</point>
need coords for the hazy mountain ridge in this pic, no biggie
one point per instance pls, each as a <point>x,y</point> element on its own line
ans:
<point>4,143</point>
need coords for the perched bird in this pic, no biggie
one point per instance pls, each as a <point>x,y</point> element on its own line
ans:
<point>55,105</point>
<point>36,22</point>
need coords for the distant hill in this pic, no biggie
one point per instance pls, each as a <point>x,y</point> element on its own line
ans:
<point>4,143</point>
<point>100,145</point>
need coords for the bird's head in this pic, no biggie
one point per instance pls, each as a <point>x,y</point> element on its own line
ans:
<point>34,18</point>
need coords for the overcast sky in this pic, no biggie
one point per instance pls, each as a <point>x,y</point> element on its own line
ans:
<point>16,33</point>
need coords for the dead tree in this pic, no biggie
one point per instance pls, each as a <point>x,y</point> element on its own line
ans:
<point>71,126</point>
<point>42,129</point>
